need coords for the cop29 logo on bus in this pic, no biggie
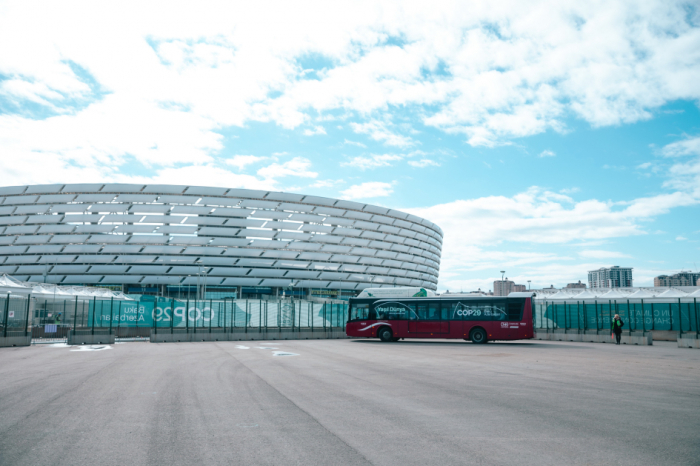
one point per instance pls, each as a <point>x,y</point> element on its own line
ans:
<point>462,310</point>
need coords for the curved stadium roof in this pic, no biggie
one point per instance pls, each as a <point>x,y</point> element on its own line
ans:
<point>160,234</point>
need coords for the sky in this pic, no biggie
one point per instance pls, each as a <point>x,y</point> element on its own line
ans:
<point>545,138</point>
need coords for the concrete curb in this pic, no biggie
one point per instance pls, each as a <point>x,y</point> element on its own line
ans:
<point>689,341</point>
<point>632,338</point>
<point>87,338</point>
<point>16,341</point>
<point>163,337</point>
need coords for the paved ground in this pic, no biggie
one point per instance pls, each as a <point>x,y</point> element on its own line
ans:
<point>350,402</point>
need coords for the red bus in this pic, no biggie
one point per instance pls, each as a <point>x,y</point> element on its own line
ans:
<point>479,319</point>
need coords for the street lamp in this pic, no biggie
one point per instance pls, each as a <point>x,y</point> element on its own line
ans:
<point>528,284</point>
<point>502,273</point>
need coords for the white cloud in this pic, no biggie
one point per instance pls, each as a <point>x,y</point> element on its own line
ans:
<point>379,131</point>
<point>368,189</point>
<point>570,190</point>
<point>373,161</point>
<point>298,166</point>
<point>242,161</point>
<point>423,163</point>
<point>547,153</point>
<point>316,130</point>
<point>681,238</point>
<point>601,254</point>
<point>326,183</point>
<point>354,143</point>
<point>644,166</point>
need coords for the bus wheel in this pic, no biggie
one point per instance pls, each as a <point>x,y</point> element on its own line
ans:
<point>478,336</point>
<point>385,334</point>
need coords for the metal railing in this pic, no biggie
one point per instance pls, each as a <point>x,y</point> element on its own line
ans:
<point>640,315</point>
<point>47,318</point>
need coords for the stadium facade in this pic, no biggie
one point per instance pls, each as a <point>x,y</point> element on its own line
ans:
<point>174,240</point>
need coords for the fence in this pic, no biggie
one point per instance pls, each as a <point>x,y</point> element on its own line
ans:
<point>639,315</point>
<point>54,318</point>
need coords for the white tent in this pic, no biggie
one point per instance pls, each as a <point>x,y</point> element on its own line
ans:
<point>49,290</point>
<point>672,293</point>
<point>614,294</point>
<point>642,294</point>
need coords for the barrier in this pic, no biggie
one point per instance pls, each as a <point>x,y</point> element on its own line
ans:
<point>19,340</point>
<point>86,337</point>
<point>628,338</point>
<point>688,340</point>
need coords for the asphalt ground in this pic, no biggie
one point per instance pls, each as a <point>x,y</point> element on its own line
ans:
<point>350,402</point>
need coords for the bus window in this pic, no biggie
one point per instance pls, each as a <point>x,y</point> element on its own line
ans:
<point>495,310</point>
<point>422,311</point>
<point>434,311</point>
<point>445,313</point>
<point>359,312</point>
<point>515,309</point>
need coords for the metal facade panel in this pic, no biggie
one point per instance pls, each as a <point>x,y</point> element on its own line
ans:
<point>316,200</point>
<point>290,264</point>
<point>69,269</point>
<point>170,199</point>
<point>109,269</point>
<point>235,242</point>
<point>89,198</point>
<point>135,228</point>
<point>204,250</point>
<point>6,190</point>
<point>56,228</point>
<point>82,188</point>
<point>276,254</point>
<point>123,249</point>
<point>32,209</point>
<point>20,259</point>
<point>267,273</point>
<point>119,279</point>
<point>302,274</point>
<point>109,208</point>
<point>254,203</point>
<point>122,188</point>
<point>100,259</point>
<point>189,240</point>
<point>329,211</point>
<point>284,197</point>
<point>45,249</point>
<point>20,200</point>
<point>311,284</point>
<point>243,252</point>
<point>182,270</point>
<point>56,198</point>
<point>106,239</point>
<point>149,269</point>
<point>32,269</point>
<point>250,262</point>
<point>247,193</point>
<point>356,241</point>
<point>163,189</point>
<point>314,256</point>
<point>34,239</point>
<point>94,228</point>
<point>275,282</point>
<point>229,271</point>
<point>21,230</point>
<point>205,191</point>
<point>56,259</point>
<point>241,281</point>
<point>147,239</point>
<point>192,209</point>
<point>219,202</point>
<point>43,188</point>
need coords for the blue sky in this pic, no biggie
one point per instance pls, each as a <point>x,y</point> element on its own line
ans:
<point>546,139</point>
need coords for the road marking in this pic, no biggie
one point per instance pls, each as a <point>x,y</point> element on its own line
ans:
<point>242,347</point>
<point>283,353</point>
<point>92,348</point>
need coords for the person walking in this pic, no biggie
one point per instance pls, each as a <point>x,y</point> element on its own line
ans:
<point>617,325</point>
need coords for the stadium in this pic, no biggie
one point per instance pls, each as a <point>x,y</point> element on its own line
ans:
<point>178,241</point>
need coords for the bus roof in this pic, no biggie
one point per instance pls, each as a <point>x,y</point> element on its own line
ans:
<point>396,292</point>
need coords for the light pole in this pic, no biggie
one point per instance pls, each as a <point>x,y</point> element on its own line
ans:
<point>502,273</point>
<point>528,285</point>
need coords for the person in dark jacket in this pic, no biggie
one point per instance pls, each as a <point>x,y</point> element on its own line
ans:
<point>617,325</point>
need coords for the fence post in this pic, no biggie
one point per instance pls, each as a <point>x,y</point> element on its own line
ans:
<point>697,325</point>
<point>653,324</point>
<point>75,315</point>
<point>309,312</point>
<point>246,316</point>
<point>187,317</point>
<point>111,314</point>
<point>644,323</point>
<point>94,311</point>
<point>172,314</point>
<point>680,319</point>
<point>26,323</point>
<point>7,310</point>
